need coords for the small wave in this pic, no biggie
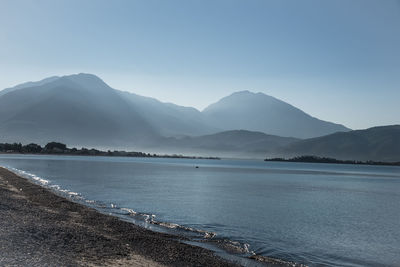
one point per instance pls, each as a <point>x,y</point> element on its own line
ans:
<point>73,194</point>
<point>204,233</point>
<point>232,246</point>
<point>69,193</point>
<point>40,180</point>
<point>169,225</point>
<point>147,218</point>
<point>273,261</point>
<point>45,183</point>
<point>55,187</point>
<point>209,237</point>
<point>150,218</point>
<point>129,211</point>
<point>29,175</point>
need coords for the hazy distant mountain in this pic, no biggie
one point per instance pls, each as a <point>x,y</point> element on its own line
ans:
<point>72,107</point>
<point>378,143</point>
<point>263,113</point>
<point>170,119</point>
<point>78,109</point>
<point>28,84</point>
<point>82,110</point>
<point>230,143</point>
<point>106,111</point>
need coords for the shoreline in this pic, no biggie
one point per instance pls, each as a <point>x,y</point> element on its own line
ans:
<point>40,228</point>
<point>56,148</point>
<point>160,156</point>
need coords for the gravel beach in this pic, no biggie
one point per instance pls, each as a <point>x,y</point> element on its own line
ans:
<point>39,228</point>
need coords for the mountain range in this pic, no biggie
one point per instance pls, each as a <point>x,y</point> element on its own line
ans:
<point>264,113</point>
<point>78,109</point>
<point>82,110</point>
<point>376,143</point>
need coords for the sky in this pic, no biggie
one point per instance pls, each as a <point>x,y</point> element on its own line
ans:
<point>337,60</point>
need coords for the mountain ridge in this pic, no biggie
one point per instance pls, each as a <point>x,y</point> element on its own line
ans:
<point>268,114</point>
<point>82,110</point>
<point>379,143</point>
<point>68,110</point>
<point>174,120</point>
<point>237,143</point>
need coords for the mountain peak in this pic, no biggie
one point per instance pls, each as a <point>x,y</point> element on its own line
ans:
<point>244,92</point>
<point>247,93</point>
<point>83,75</point>
<point>75,76</point>
<point>264,113</point>
<point>253,111</point>
<point>87,80</point>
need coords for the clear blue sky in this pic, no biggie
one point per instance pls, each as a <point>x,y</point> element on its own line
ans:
<point>337,60</point>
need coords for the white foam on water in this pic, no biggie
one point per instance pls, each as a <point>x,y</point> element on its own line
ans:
<point>150,218</point>
<point>74,194</point>
<point>147,218</point>
<point>56,187</point>
<point>204,233</point>
<point>234,246</point>
<point>129,211</point>
<point>43,182</point>
<point>29,175</point>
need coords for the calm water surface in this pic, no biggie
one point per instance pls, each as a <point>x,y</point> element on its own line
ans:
<point>317,214</point>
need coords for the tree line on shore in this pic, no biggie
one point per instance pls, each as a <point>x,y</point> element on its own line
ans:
<point>315,159</point>
<point>62,149</point>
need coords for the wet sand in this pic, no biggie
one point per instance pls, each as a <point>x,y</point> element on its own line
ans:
<point>39,228</point>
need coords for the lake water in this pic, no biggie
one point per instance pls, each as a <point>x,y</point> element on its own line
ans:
<point>316,214</point>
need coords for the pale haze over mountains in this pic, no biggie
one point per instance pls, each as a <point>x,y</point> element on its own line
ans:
<point>82,110</point>
<point>260,112</point>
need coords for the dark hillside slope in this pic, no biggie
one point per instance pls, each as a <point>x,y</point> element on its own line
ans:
<point>377,144</point>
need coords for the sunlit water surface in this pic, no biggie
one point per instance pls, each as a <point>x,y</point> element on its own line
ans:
<point>317,214</point>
